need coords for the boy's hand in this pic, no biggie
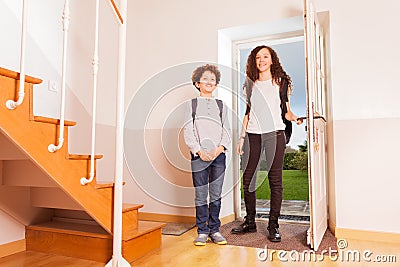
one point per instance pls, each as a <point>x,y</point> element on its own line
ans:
<point>204,155</point>
<point>216,151</point>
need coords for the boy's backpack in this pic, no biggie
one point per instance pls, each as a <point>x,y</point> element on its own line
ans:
<point>194,108</point>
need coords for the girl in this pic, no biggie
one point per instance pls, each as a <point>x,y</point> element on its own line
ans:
<point>267,89</point>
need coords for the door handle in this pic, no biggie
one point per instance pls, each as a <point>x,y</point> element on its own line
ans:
<point>320,117</point>
<point>315,117</point>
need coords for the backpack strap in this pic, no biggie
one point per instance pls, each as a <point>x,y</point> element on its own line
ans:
<point>220,106</point>
<point>194,108</point>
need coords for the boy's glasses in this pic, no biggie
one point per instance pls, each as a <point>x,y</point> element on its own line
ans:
<point>204,81</point>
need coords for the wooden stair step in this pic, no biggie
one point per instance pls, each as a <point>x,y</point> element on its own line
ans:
<point>106,185</point>
<point>130,217</point>
<point>144,227</point>
<point>83,157</point>
<point>128,207</point>
<point>92,242</point>
<point>15,75</point>
<point>33,138</point>
<point>53,121</point>
<point>71,228</point>
<point>144,240</point>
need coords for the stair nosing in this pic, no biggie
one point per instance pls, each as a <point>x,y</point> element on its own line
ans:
<point>106,185</point>
<point>151,227</point>
<point>83,157</point>
<point>46,228</point>
<point>53,121</point>
<point>128,207</point>
<point>15,75</point>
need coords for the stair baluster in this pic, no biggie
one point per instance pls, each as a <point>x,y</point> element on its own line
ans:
<point>117,258</point>
<point>95,64</point>
<point>11,104</point>
<point>66,18</point>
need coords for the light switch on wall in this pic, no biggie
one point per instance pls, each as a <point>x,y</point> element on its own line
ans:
<point>53,86</point>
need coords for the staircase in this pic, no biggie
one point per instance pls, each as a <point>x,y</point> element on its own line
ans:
<point>42,189</point>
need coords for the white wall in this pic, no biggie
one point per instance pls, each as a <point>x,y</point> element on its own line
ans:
<point>364,67</point>
<point>161,35</point>
<point>366,117</point>
<point>10,26</point>
<point>14,230</point>
<point>43,42</point>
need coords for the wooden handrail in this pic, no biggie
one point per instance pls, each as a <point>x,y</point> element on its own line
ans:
<point>117,11</point>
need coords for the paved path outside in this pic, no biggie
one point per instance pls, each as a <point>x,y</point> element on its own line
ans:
<point>289,207</point>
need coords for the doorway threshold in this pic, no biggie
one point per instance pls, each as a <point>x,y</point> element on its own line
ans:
<point>291,210</point>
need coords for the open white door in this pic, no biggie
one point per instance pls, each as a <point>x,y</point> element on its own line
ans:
<point>316,125</point>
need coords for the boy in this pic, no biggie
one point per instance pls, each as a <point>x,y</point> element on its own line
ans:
<point>206,134</point>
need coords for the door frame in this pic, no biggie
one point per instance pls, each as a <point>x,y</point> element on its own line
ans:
<point>273,39</point>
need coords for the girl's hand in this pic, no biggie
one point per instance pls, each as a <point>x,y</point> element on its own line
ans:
<point>299,121</point>
<point>291,117</point>
<point>240,146</point>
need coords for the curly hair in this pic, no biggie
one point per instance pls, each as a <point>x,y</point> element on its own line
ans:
<point>277,72</point>
<point>198,72</point>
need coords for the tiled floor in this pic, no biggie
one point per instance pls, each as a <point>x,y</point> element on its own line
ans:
<point>290,208</point>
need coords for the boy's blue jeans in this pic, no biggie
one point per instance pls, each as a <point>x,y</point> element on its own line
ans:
<point>208,178</point>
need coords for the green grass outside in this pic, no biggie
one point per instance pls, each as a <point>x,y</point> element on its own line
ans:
<point>295,185</point>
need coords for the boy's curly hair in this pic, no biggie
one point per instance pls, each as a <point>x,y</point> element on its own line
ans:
<point>200,70</point>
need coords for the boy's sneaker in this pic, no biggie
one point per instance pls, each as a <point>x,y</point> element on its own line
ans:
<point>201,240</point>
<point>217,238</point>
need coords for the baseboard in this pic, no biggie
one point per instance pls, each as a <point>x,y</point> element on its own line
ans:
<point>12,248</point>
<point>157,217</point>
<point>367,235</point>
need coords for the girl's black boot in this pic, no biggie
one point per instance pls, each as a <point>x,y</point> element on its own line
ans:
<point>248,226</point>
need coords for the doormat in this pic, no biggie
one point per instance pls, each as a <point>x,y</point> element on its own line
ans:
<point>177,229</point>
<point>294,237</point>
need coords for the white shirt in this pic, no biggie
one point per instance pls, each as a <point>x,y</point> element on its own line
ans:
<point>265,113</point>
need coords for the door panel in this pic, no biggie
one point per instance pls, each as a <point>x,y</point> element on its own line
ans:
<point>316,125</point>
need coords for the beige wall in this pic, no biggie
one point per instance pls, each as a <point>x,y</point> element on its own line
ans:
<point>364,97</point>
<point>363,63</point>
<point>14,230</point>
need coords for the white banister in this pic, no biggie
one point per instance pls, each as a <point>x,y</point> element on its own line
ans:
<point>66,17</point>
<point>117,259</point>
<point>11,104</point>
<point>95,64</point>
